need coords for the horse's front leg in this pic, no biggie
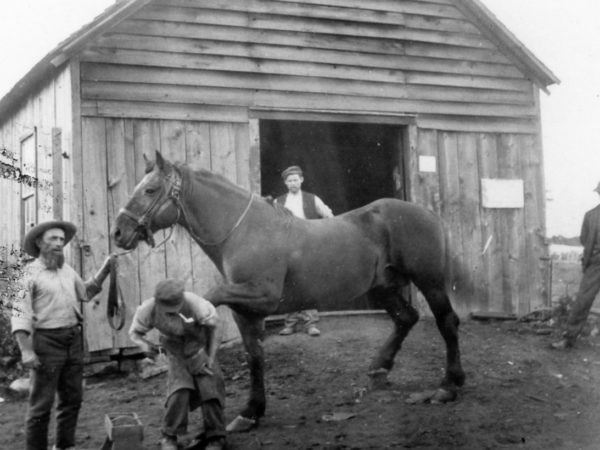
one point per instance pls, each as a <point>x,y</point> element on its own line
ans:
<point>251,329</point>
<point>250,302</point>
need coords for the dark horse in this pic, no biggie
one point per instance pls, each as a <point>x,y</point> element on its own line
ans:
<point>274,263</point>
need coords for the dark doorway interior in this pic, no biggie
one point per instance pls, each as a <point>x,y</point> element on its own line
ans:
<point>346,164</point>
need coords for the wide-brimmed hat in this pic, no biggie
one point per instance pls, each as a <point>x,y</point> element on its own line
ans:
<point>29,244</point>
<point>168,295</point>
<point>292,170</point>
<point>597,188</point>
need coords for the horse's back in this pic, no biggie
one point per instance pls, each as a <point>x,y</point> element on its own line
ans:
<point>413,235</point>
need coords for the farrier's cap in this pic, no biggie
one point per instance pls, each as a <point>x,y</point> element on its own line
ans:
<point>168,295</point>
<point>292,170</point>
<point>29,244</point>
<point>597,188</point>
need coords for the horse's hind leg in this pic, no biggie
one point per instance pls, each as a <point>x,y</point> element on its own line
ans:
<point>405,316</point>
<point>447,322</point>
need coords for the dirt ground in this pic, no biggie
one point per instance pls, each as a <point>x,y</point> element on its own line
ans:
<point>519,393</point>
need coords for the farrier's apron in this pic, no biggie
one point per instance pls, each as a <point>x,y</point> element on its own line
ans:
<point>185,347</point>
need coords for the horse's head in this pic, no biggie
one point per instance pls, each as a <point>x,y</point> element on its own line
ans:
<point>152,206</point>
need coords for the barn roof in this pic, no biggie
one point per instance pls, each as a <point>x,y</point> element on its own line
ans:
<point>474,10</point>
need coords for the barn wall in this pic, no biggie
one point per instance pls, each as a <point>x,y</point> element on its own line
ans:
<point>495,252</point>
<point>42,114</point>
<point>112,161</point>
<point>213,59</point>
<point>185,77</point>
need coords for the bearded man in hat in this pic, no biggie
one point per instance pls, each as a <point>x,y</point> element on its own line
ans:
<point>188,326</point>
<point>590,282</point>
<point>306,206</point>
<point>46,324</point>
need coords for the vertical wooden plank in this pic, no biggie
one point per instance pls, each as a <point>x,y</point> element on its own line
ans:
<point>57,173</point>
<point>64,121</point>
<point>470,218</point>
<point>513,261</point>
<point>76,167</point>
<point>121,179</point>
<point>178,247</point>
<point>94,234</point>
<point>490,227</point>
<point>450,209</point>
<point>44,121</point>
<point>428,183</point>
<point>535,248</point>
<point>241,144</point>
<point>222,151</point>
<point>254,156</point>
<point>409,153</point>
<point>151,266</point>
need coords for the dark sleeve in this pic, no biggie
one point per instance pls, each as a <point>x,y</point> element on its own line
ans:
<point>585,229</point>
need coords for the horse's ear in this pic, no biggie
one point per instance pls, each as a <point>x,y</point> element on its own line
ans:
<point>162,163</point>
<point>149,163</point>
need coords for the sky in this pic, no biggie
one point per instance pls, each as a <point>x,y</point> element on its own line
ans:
<point>565,36</point>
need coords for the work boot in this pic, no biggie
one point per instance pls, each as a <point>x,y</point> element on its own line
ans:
<point>563,344</point>
<point>313,331</point>
<point>215,444</point>
<point>168,443</point>
<point>286,331</point>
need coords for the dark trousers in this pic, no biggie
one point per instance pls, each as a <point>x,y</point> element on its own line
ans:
<point>61,355</point>
<point>588,289</point>
<point>176,415</point>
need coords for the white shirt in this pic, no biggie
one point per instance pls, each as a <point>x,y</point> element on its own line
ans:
<point>294,203</point>
<point>48,298</point>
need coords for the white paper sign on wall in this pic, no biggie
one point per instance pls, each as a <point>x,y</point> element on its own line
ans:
<point>502,193</point>
<point>427,164</point>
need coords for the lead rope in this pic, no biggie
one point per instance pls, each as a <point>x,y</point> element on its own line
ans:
<point>115,309</point>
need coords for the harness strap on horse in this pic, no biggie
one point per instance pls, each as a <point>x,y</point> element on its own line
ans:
<point>115,311</point>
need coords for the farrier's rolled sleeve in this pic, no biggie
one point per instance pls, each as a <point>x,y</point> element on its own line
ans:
<point>204,311</point>
<point>142,319</point>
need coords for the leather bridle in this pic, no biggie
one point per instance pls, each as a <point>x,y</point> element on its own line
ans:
<point>173,194</point>
<point>143,221</point>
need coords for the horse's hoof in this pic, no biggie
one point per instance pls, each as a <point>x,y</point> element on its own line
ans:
<point>443,396</point>
<point>239,424</point>
<point>379,379</point>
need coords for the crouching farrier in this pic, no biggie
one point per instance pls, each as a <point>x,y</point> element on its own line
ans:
<point>188,334</point>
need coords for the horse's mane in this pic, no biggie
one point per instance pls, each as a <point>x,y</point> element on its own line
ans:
<point>188,172</point>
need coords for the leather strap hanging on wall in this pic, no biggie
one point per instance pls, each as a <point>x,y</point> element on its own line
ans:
<point>115,308</point>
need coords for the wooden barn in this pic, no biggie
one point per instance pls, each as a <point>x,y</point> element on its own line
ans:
<point>432,101</point>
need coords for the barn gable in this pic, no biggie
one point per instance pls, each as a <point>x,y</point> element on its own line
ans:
<point>210,81</point>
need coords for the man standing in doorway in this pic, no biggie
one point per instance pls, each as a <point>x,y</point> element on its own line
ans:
<point>46,324</point>
<point>306,206</point>
<point>590,282</point>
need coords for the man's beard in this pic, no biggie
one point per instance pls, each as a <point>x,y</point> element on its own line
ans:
<point>53,260</point>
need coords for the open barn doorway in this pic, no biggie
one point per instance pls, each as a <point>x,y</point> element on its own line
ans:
<point>346,164</point>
